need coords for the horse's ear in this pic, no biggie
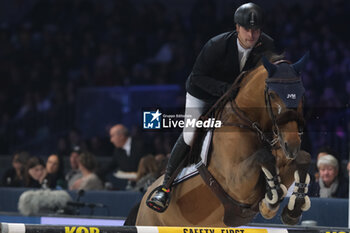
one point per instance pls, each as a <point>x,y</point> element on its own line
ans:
<point>299,65</point>
<point>271,68</point>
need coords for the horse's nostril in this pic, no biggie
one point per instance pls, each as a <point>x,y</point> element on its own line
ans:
<point>291,151</point>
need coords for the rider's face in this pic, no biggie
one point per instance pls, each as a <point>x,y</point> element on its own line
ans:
<point>247,37</point>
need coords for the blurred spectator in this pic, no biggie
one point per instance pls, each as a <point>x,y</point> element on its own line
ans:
<point>148,171</point>
<point>127,154</point>
<point>329,183</point>
<point>89,180</point>
<point>322,152</point>
<point>35,173</point>
<point>54,170</point>
<point>14,177</point>
<point>74,173</point>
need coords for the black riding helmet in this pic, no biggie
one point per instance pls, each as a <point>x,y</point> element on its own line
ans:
<point>249,15</point>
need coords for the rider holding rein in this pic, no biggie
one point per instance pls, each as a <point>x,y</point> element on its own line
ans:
<point>221,60</point>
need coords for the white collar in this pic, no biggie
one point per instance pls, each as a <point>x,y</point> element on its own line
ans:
<point>127,146</point>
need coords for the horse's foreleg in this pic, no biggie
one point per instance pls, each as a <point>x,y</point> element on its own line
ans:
<point>275,191</point>
<point>298,201</point>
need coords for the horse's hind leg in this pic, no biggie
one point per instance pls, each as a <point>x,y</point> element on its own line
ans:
<point>275,191</point>
<point>298,201</point>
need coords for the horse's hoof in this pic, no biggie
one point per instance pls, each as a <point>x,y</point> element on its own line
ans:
<point>307,204</point>
<point>287,219</point>
<point>267,210</point>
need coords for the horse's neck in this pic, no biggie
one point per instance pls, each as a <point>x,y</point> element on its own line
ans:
<point>251,97</point>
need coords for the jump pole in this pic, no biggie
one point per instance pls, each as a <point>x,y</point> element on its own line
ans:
<point>36,228</point>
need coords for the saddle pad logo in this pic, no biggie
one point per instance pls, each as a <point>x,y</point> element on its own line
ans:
<point>152,119</point>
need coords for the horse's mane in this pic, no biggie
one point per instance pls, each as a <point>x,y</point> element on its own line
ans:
<point>219,106</point>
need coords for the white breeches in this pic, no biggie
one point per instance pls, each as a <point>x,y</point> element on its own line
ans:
<point>194,109</point>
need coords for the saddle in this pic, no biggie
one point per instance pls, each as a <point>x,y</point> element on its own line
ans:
<point>191,170</point>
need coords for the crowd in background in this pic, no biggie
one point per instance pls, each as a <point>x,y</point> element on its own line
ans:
<point>133,163</point>
<point>60,46</point>
<point>133,167</point>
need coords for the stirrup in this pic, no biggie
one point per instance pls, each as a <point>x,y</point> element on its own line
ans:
<point>153,205</point>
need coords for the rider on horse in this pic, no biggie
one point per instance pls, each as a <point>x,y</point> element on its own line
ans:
<point>221,60</point>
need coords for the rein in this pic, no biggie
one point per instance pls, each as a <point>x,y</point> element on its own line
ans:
<point>225,97</point>
<point>252,125</point>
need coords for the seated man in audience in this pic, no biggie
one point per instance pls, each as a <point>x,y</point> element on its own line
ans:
<point>126,157</point>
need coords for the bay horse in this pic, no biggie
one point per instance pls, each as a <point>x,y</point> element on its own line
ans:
<point>255,156</point>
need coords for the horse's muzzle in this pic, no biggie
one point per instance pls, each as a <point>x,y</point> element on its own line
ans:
<point>291,151</point>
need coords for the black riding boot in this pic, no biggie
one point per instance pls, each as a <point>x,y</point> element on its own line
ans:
<point>160,199</point>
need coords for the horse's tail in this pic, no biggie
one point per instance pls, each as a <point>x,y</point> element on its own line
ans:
<point>131,219</point>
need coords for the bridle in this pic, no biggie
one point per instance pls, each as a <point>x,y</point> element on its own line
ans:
<point>246,123</point>
<point>251,125</point>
